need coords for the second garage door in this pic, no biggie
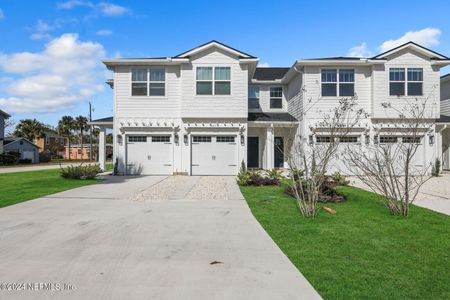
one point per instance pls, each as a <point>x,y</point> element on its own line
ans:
<point>150,155</point>
<point>214,155</point>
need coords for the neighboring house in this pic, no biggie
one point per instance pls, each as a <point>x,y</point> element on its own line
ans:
<point>3,116</point>
<point>443,123</point>
<point>78,153</point>
<point>52,143</point>
<point>208,109</point>
<point>27,149</point>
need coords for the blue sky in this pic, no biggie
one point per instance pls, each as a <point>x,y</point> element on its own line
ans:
<point>50,53</point>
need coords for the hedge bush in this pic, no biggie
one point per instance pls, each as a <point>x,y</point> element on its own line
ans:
<point>81,172</point>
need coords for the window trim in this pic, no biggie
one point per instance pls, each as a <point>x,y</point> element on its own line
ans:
<point>337,82</point>
<point>406,81</point>
<point>148,81</point>
<point>270,97</point>
<point>213,80</point>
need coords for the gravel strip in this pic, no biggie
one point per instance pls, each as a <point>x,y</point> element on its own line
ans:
<point>209,188</point>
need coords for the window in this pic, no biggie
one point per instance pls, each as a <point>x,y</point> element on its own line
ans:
<point>161,139</point>
<point>415,81</point>
<point>348,139</point>
<point>148,81</point>
<point>137,139</point>
<point>411,139</point>
<point>220,85</point>
<point>201,139</point>
<point>388,139</point>
<point>225,139</point>
<point>276,96</point>
<point>400,85</point>
<point>334,85</point>
<point>323,139</point>
<point>79,151</point>
<point>253,97</point>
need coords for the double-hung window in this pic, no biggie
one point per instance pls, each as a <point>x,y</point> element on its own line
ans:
<point>213,80</point>
<point>401,85</point>
<point>253,97</point>
<point>148,81</point>
<point>338,82</point>
<point>276,97</point>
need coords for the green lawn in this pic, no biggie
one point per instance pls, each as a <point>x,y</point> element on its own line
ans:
<point>362,252</point>
<point>109,166</point>
<point>23,186</point>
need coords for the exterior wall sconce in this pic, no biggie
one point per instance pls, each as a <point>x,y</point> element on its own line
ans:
<point>177,139</point>
<point>375,139</point>
<point>119,138</point>
<point>242,140</point>
<point>367,139</point>
<point>431,139</point>
<point>185,139</point>
<point>311,139</point>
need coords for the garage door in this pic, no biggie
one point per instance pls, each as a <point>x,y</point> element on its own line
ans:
<point>214,155</point>
<point>27,154</point>
<point>150,154</point>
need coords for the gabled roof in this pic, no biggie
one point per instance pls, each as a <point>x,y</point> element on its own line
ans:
<point>11,140</point>
<point>336,58</point>
<point>217,44</point>
<point>445,77</point>
<point>4,114</point>
<point>269,73</point>
<point>427,52</point>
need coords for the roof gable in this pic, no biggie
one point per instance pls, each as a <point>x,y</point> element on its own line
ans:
<point>10,141</point>
<point>424,51</point>
<point>216,44</point>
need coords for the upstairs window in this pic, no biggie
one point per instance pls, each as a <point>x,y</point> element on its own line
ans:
<point>253,97</point>
<point>415,81</point>
<point>276,97</point>
<point>148,81</point>
<point>219,84</point>
<point>401,85</point>
<point>334,85</point>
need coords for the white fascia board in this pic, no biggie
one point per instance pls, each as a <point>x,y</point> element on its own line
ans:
<point>276,81</point>
<point>145,61</point>
<point>213,44</point>
<point>416,48</point>
<point>441,63</point>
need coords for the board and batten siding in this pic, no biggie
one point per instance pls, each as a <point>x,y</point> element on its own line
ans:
<point>128,106</point>
<point>405,59</point>
<point>315,106</point>
<point>212,106</point>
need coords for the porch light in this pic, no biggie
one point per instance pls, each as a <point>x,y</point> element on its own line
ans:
<point>185,139</point>
<point>119,138</point>
<point>177,139</point>
<point>311,140</point>
<point>242,140</point>
<point>431,139</point>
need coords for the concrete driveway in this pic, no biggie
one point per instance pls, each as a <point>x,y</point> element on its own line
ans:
<point>144,238</point>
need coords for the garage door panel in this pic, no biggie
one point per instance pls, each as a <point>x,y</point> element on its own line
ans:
<point>150,155</point>
<point>214,155</point>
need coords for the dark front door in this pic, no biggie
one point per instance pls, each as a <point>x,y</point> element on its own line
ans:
<point>252,152</point>
<point>278,152</point>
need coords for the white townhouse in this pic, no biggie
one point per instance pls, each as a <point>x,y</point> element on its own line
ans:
<point>443,123</point>
<point>208,109</point>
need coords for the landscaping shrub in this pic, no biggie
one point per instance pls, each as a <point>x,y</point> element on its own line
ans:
<point>328,191</point>
<point>340,179</point>
<point>81,171</point>
<point>9,158</point>
<point>257,178</point>
<point>297,174</point>
<point>437,167</point>
<point>25,161</point>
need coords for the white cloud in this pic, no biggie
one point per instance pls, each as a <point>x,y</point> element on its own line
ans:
<point>2,14</point>
<point>427,37</point>
<point>104,32</point>
<point>263,65</point>
<point>360,51</point>
<point>66,72</point>
<point>112,10</point>
<point>73,3</point>
<point>42,28</point>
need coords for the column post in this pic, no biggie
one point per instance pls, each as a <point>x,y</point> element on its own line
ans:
<point>102,148</point>
<point>270,148</point>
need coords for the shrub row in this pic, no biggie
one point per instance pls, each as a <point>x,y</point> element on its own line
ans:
<point>81,171</point>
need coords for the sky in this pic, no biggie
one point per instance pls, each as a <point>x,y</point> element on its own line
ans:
<point>51,51</point>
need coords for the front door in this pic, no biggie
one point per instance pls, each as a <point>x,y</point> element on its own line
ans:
<point>279,152</point>
<point>253,152</point>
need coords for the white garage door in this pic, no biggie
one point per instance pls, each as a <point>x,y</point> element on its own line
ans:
<point>214,155</point>
<point>150,155</point>
<point>28,155</point>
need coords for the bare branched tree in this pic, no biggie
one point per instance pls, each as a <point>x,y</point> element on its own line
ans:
<point>313,155</point>
<point>389,165</point>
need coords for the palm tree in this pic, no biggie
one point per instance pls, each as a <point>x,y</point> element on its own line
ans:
<point>81,125</point>
<point>65,127</point>
<point>31,129</point>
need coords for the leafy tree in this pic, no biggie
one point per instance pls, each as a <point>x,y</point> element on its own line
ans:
<point>81,125</point>
<point>65,128</point>
<point>31,129</point>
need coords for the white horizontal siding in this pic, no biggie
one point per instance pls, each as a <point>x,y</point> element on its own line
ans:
<point>294,95</point>
<point>404,59</point>
<point>445,107</point>
<point>445,89</point>
<point>157,107</point>
<point>204,106</point>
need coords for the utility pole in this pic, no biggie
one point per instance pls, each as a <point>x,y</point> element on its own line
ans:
<point>90,131</point>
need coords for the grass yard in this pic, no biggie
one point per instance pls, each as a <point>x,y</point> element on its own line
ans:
<point>362,252</point>
<point>23,186</point>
